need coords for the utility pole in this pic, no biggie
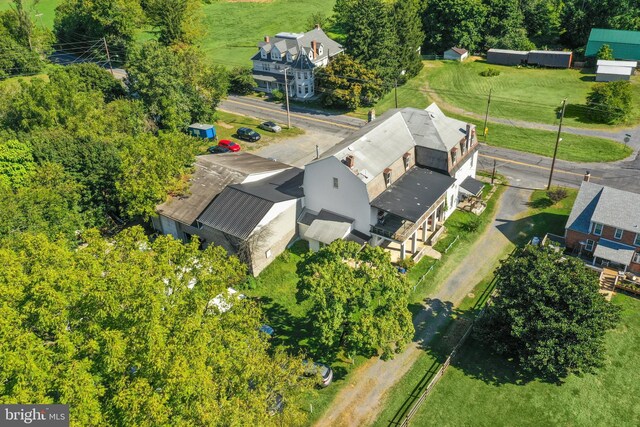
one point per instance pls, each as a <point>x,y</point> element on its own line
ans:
<point>486,116</point>
<point>286,92</point>
<point>493,174</point>
<point>106,48</point>
<point>558,139</point>
<point>395,90</point>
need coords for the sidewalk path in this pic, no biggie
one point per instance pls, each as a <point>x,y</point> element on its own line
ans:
<point>361,401</point>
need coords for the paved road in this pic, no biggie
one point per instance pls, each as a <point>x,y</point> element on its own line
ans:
<point>361,401</point>
<point>527,169</point>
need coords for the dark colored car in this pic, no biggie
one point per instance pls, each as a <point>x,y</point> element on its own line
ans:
<point>318,369</point>
<point>216,149</point>
<point>230,145</point>
<point>248,134</point>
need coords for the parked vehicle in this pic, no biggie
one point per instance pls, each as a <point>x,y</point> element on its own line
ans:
<point>227,143</point>
<point>267,330</point>
<point>216,149</point>
<point>270,126</point>
<point>318,369</point>
<point>203,131</point>
<point>248,134</point>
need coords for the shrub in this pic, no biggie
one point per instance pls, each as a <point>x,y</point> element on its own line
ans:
<point>277,95</point>
<point>490,72</point>
<point>241,81</point>
<point>406,263</point>
<point>472,225</point>
<point>557,194</point>
<point>610,102</point>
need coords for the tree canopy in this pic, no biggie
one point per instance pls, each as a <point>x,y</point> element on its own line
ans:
<point>548,314</point>
<point>359,300</point>
<point>345,82</point>
<point>610,102</point>
<point>123,332</point>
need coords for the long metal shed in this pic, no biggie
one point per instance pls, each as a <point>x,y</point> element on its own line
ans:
<point>507,57</point>
<point>550,58</point>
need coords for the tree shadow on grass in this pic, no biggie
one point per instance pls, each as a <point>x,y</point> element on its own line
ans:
<point>520,231</point>
<point>290,331</point>
<point>542,203</point>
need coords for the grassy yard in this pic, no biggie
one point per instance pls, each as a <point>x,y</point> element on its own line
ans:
<point>527,94</point>
<point>573,148</point>
<point>44,7</point>
<point>234,28</point>
<point>542,216</point>
<point>227,124</point>
<point>481,389</point>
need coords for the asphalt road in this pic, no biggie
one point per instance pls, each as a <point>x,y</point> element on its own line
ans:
<point>522,169</point>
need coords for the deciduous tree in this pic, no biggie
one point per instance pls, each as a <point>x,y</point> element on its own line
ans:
<point>548,314</point>
<point>610,102</point>
<point>449,23</point>
<point>345,82</point>
<point>359,300</point>
<point>176,21</point>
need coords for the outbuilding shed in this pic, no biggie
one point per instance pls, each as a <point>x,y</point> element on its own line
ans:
<point>625,44</point>
<point>550,58</point>
<point>610,73</point>
<point>507,57</point>
<point>456,54</point>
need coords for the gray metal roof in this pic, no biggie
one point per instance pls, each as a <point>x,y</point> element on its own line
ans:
<point>285,185</point>
<point>298,44</point>
<point>614,251</point>
<point>432,129</point>
<point>213,172</point>
<point>630,64</point>
<point>615,70</point>
<point>472,186</point>
<point>375,146</point>
<point>414,193</point>
<point>201,126</point>
<point>235,212</point>
<point>327,226</point>
<point>551,52</point>
<point>510,52</point>
<point>605,205</point>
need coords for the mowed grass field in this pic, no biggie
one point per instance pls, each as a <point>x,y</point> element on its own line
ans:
<point>529,94</point>
<point>234,28</point>
<point>480,389</point>
<point>44,7</point>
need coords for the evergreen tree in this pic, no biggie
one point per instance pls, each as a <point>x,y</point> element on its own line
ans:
<point>410,36</point>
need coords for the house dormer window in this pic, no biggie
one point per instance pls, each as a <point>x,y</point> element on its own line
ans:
<point>387,177</point>
<point>289,57</point>
<point>453,155</point>
<point>406,160</point>
<point>637,240</point>
<point>320,49</point>
<point>263,54</point>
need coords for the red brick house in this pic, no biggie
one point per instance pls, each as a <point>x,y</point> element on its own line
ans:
<point>605,224</point>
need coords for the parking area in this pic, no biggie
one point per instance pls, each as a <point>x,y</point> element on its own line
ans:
<point>299,150</point>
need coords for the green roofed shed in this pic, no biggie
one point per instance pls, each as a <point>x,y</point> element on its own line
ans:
<point>625,44</point>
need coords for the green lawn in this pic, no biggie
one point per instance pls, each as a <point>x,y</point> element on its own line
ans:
<point>235,28</point>
<point>573,148</point>
<point>527,94</point>
<point>44,7</point>
<point>541,217</point>
<point>480,388</point>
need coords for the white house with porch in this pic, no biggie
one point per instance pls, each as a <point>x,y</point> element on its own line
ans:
<point>392,183</point>
<point>293,58</point>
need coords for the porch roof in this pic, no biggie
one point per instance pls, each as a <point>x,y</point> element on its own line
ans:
<point>472,186</point>
<point>614,251</point>
<point>414,193</point>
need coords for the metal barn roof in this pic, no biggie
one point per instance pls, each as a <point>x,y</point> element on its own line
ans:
<point>618,71</point>
<point>629,64</point>
<point>625,44</point>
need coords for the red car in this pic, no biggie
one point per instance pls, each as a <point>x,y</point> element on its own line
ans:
<point>232,146</point>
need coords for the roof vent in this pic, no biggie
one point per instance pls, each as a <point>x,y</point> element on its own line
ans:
<point>350,161</point>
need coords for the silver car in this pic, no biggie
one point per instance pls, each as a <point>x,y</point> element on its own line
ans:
<point>270,126</point>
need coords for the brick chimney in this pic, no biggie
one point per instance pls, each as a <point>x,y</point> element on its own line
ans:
<point>314,47</point>
<point>587,176</point>
<point>350,161</point>
<point>266,39</point>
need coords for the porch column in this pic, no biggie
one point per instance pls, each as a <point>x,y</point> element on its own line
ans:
<point>414,242</point>
<point>425,224</point>
<point>594,261</point>
<point>403,253</point>
<point>434,220</point>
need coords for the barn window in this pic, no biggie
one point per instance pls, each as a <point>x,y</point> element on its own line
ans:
<point>387,177</point>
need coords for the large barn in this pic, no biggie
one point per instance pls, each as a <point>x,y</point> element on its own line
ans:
<point>625,44</point>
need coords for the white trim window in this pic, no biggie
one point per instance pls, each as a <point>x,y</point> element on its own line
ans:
<point>636,258</point>
<point>597,229</point>
<point>637,240</point>
<point>618,234</point>
<point>589,245</point>
<point>336,183</point>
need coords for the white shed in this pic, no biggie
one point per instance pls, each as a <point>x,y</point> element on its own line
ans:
<point>456,54</point>
<point>610,73</point>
